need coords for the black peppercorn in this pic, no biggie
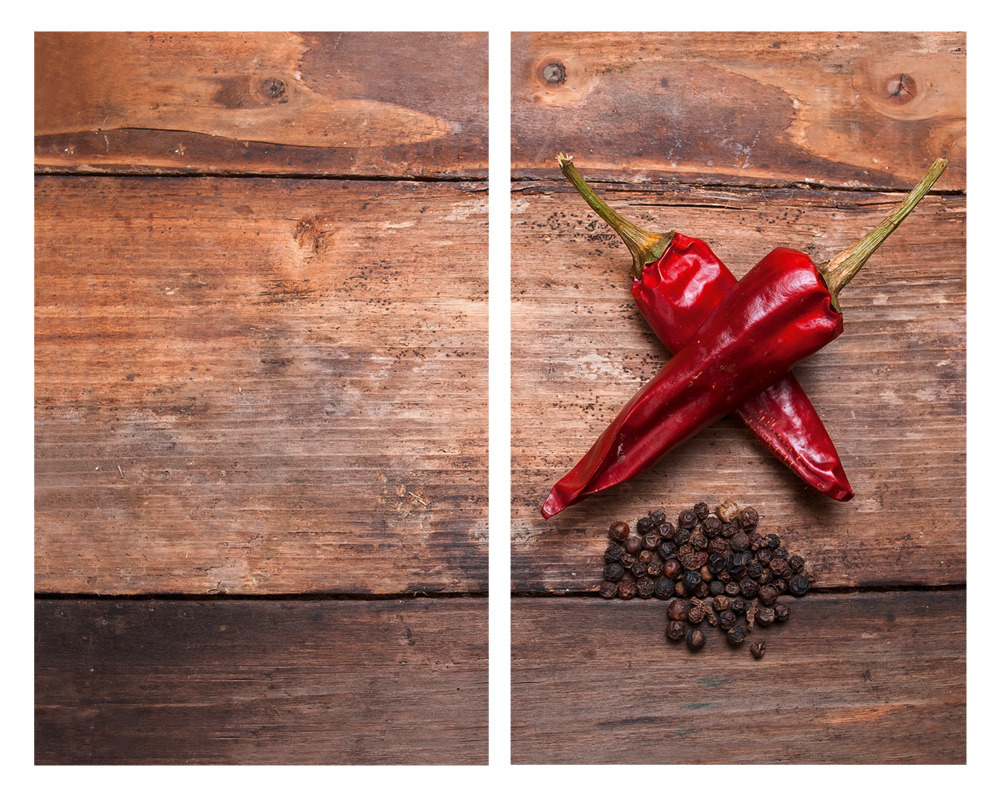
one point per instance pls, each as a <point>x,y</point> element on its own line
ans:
<point>767,594</point>
<point>608,590</point>
<point>798,585</point>
<point>666,550</point>
<point>764,556</point>
<point>738,605</point>
<point>638,568</point>
<point>765,576</point>
<point>687,519</point>
<point>698,540</point>
<point>701,590</point>
<point>619,531</point>
<point>757,649</point>
<point>645,556</point>
<point>739,542</point>
<point>748,518</point>
<point>696,615</point>
<point>716,563</point>
<point>781,612</point>
<point>666,531</point>
<point>613,572</point>
<point>695,561</point>
<point>676,630</point>
<point>645,586</point>
<point>626,589</point>
<point>663,588</point>
<point>691,580</point>
<point>724,576</point>
<point>651,541</point>
<point>736,635</point>
<point>765,616</point>
<point>633,544</point>
<point>720,603</point>
<point>732,589</point>
<point>796,563</point>
<point>681,536</point>
<point>658,517</point>
<point>644,525</point>
<point>695,639</point>
<point>672,568</point>
<point>780,585</point>
<point>754,569</point>
<point>737,563</point>
<point>654,568</point>
<point>701,510</point>
<point>773,541</point>
<point>727,619</point>
<point>677,609</point>
<point>613,553</point>
<point>717,546</point>
<point>780,568</point>
<point>749,587</point>
<point>716,587</point>
<point>712,526</point>
<point>756,541</point>
<point>706,574</point>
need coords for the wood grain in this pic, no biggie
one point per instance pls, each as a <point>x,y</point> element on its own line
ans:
<point>834,109</point>
<point>370,104</point>
<point>890,390</point>
<point>260,386</point>
<point>252,682</point>
<point>869,678</point>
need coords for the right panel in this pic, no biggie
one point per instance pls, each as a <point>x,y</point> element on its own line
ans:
<point>747,142</point>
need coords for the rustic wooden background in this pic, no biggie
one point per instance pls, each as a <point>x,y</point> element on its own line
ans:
<point>749,141</point>
<point>261,411</point>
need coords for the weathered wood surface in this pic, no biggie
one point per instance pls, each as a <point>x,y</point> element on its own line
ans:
<point>252,682</point>
<point>371,104</point>
<point>836,109</point>
<point>869,678</point>
<point>260,386</point>
<point>891,389</point>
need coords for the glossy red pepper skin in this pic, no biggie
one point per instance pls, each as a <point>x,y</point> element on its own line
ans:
<point>780,312</point>
<point>675,294</point>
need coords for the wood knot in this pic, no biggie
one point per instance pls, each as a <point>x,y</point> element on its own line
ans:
<point>901,89</point>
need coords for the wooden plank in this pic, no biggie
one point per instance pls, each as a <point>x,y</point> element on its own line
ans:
<point>891,390</point>
<point>260,386</point>
<point>837,109</point>
<point>396,104</point>
<point>869,678</point>
<point>251,682</point>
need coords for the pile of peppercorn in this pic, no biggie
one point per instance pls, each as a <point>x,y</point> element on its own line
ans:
<point>714,567</point>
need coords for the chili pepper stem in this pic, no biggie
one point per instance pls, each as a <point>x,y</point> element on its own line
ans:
<point>841,270</point>
<point>646,248</point>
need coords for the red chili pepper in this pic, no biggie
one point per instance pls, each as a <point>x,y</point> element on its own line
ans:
<point>677,282</point>
<point>781,311</point>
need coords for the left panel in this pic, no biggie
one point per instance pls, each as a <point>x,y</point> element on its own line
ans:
<point>261,374</point>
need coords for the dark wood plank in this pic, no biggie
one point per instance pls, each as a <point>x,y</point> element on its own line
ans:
<point>250,682</point>
<point>870,678</point>
<point>260,386</point>
<point>397,104</point>
<point>891,390</point>
<point>836,109</point>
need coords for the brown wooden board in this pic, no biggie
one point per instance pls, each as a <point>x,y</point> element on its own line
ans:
<point>371,104</point>
<point>860,678</point>
<point>833,109</point>
<point>250,682</point>
<point>260,386</point>
<point>891,389</point>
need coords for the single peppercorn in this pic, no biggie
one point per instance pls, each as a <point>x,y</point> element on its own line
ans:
<point>701,590</point>
<point>717,546</point>
<point>613,553</point>
<point>773,541</point>
<point>691,580</point>
<point>716,587</point>
<point>619,531</point>
<point>736,635</point>
<point>638,568</point>
<point>767,594</point>
<point>700,509</point>
<point>666,531</point>
<point>765,556</point>
<point>644,556</point>
<point>796,563</point>
<point>658,517</point>
<point>727,511</point>
<point>739,542</point>
<point>698,540</point>
<point>681,536</point>
<point>748,518</point>
<point>645,586</point>
<point>729,530</point>
<point>780,568</point>
<point>754,569</point>
<point>737,563</point>
<point>666,550</point>
<point>679,588</point>
<point>720,603</point>
<point>608,590</point>
<point>644,525</point>
<point>613,572</point>
<point>627,561</point>
<point>732,589</point>
<point>672,568</point>
<point>716,563</point>
<point>695,560</point>
<point>687,519</point>
<point>676,630</point>
<point>757,649</point>
<point>756,541</point>
<point>626,589</point>
<point>663,588</point>
<point>696,615</point>
<point>695,639</point>
<point>765,576</point>
<point>706,574</point>
<point>654,568</point>
<point>651,541</point>
<point>724,576</point>
<point>798,585</point>
<point>633,544</point>
<point>765,616</point>
<point>727,619</point>
<point>781,612</point>
<point>738,605</point>
<point>749,587</point>
<point>712,526</point>
<point>677,609</point>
